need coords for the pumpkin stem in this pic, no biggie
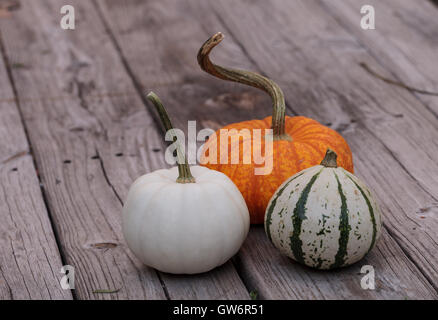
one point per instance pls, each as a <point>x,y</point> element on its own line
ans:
<point>329,160</point>
<point>185,176</point>
<point>249,78</point>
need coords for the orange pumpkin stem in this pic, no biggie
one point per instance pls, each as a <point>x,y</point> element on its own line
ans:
<point>330,158</point>
<point>249,78</point>
<point>184,174</point>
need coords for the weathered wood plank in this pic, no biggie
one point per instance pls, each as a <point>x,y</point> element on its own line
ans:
<point>170,46</point>
<point>405,41</point>
<point>66,133</point>
<point>398,131</point>
<point>160,41</point>
<point>92,138</point>
<point>30,261</point>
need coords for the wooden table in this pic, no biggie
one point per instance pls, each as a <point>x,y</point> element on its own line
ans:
<point>76,130</point>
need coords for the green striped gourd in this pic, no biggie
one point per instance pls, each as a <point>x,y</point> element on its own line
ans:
<point>323,217</point>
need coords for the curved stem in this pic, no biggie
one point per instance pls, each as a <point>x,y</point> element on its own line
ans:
<point>249,78</point>
<point>329,160</point>
<point>184,174</point>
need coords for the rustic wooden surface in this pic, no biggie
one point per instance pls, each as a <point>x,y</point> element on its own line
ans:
<point>76,131</point>
<point>29,257</point>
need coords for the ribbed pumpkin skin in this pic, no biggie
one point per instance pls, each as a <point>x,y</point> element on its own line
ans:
<point>324,218</point>
<point>309,142</point>
<point>184,228</point>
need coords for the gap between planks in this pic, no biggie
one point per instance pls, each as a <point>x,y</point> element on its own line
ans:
<point>29,152</point>
<point>166,292</point>
<point>347,28</point>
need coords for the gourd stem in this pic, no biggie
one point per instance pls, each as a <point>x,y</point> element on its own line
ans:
<point>184,174</point>
<point>329,160</point>
<point>249,78</point>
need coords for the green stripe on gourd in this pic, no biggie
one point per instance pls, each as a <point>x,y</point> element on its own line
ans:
<point>325,195</point>
<point>371,210</point>
<point>271,206</point>
<point>297,219</point>
<point>344,228</point>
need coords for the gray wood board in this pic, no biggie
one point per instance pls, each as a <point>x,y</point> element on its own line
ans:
<point>404,43</point>
<point>30,262</point>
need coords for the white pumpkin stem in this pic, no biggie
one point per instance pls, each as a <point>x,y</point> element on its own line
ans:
<point>185,176</point>
<point>330,158</point>
<point>249,78</point>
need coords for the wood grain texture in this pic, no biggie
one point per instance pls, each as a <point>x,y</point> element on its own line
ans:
<point>169,54</point>
<point>92,138</point>
<point>159,42</point>
<point>405,41</point>
<point>67,128</point>
<point>30,261</point>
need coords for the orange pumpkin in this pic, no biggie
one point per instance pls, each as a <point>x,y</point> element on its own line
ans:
<point>297,142</point>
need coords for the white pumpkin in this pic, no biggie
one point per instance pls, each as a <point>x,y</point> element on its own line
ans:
<point>323,217</point>
<point>184,220</point>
